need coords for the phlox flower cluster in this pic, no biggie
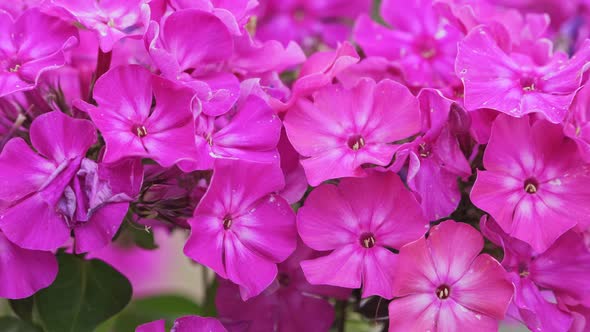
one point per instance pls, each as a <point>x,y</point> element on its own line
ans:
<point>430,156</point>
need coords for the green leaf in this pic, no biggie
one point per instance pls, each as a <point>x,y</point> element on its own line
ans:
<point>84,294</point>
<point>13,324</point>
<point>23,308</point>
<point>140,311</point>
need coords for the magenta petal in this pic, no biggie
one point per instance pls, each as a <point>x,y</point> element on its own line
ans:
<point>205,245</point>
<point>379,266</point>
<point>252,272</point>
<point>197,324</point>
<point>316,220</point>
<point>170,127</point>
<point>156,326</point>
<point>536,312</point>
<point>22,170</point>
<point>196,37</point>
<point>24,272</point>
<point>399,124</point>
<point>343,268</point>
<point>101,228</point>
<point>240,139</point>
<point>564,267</point>
<point>34,224</point>
<point>413,313</point>
<point>454,246</point>
<point>454,317</point>
<point>383,205</point>
<point>274,240</point>
<point>484,288</point>
<point>60,137</point>
<point>415,270</point>
<point>479,47</point>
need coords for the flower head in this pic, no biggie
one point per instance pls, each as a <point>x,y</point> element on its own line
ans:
<point>344,129</point>
<point>30,45</point>
<point>361,220</point>
<point>443,284</point>
<point>241,228</point>
<point>536,186</point>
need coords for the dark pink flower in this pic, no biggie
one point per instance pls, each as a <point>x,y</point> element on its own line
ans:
<point>250,131</point>
<point>63,190</point>
<point>289,293</point>
<point>241,228</point>
<point>577,123</point>
<point>422,42</point>
<point>535,184</point>
<point>519,85</point>
<point>185,324</point>
<point>111,20</point>
<point>34,183</point>
<point>23,272</point>
<point>318,71</point>
<point>308,22</point>
<point>360,220</point>
<point>29,46</point>
<point>295,181</point>
<point>443,284</point>
<point>561,271</point>
<point>344,129</point>
<point>435,160</point>
<point>191,46</point>
<point>234,14</point>
<point>133,126</point>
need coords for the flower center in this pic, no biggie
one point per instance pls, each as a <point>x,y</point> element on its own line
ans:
<point>528,83</point>
<point>227,222</point>
<point>426,47</point>
<point>367,240</point>
<point>424,150</point>
<point>523,270</point>
<point>531,186</point>
<point>443,292</point>
<point>139,130</point>
<point>283,279</point>
<point>355,142</point>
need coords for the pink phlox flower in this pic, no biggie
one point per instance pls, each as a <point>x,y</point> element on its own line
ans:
<point>192,47</point>
<point>434,160</point>
<point>111,20</point>
<point>560,271</point>
<point>241,228</point>
<point>289,293</point>
<point>360,220</point>
<point>143,115</point>
<point>418,39</point>
<point>442,283</point>
<point>29,46</point>
<point>536,185</point>
<point>519,85</point>
<point>344,129</point>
